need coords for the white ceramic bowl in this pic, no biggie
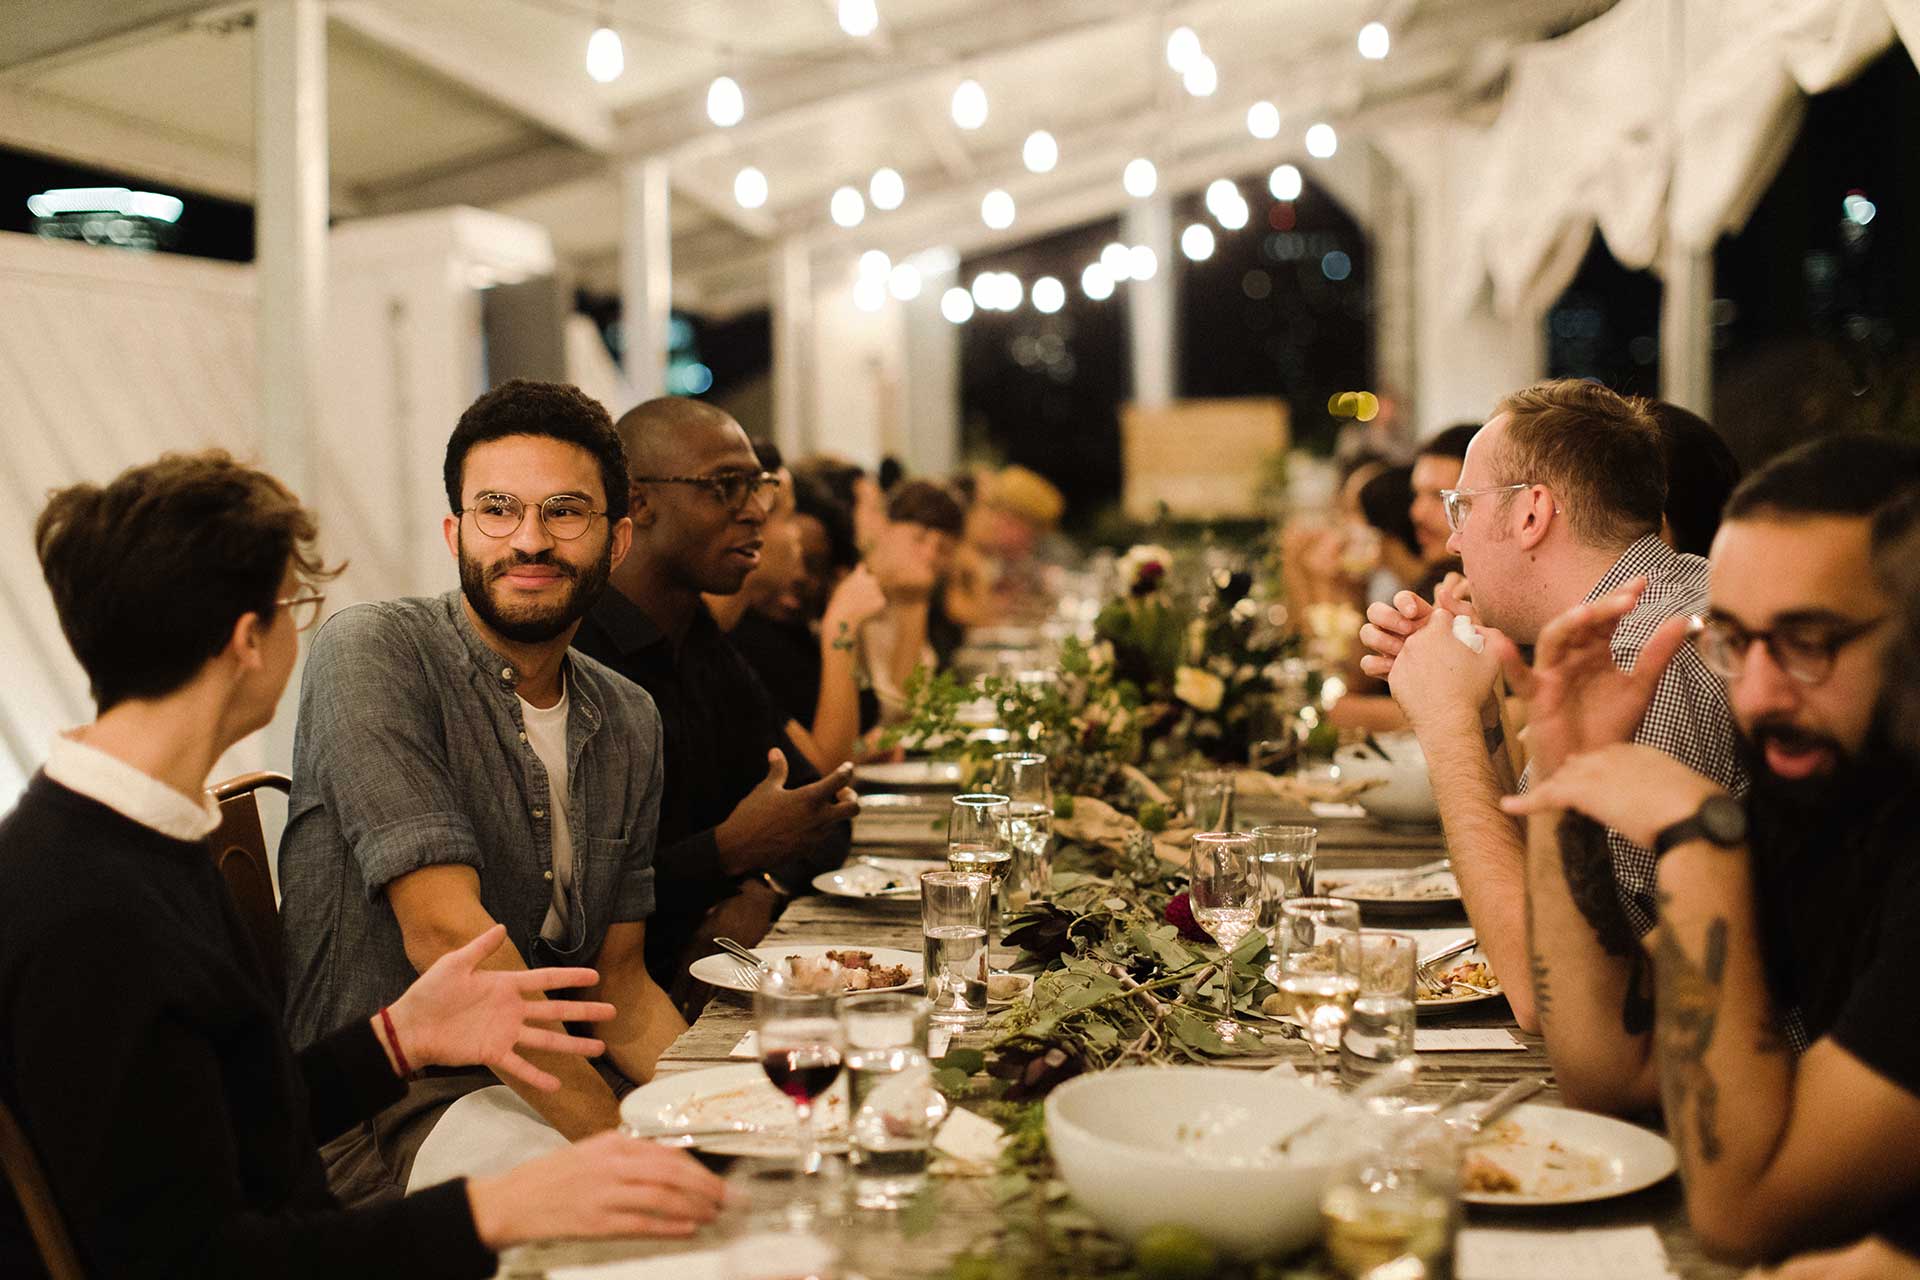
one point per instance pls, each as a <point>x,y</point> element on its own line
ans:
<point>1403,792</point>
<point>1140,1147</point>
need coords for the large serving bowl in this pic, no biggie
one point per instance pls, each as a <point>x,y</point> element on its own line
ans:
<point>1141,1147</point>
<point>1402,792</point>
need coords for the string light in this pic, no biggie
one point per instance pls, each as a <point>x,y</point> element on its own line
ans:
<point>1285,183</point>
<point>750,188</point>
<point>1116,262</point>
<point>726,105</point>
<point>1322,142</point>
<point>1049,295</point>
<point>1142,262</point>
<point>847,208</point>
<point>903,282</point>
<point>969,104</point>
<point>1096,282</point>
<point>870,294</point>
<point>606,56</point>
<point>1263,121</point>
<point>1140,178</point>
<point>874,265</point>
<point>956,305</point>
<point>996,209</point>
<point>1375,41</point>
<point>1201,77</point>
<point>1197,242</point>
<point>887,189</point>
<point>1041,152</point>
<point>1183,46</point>
<point>859,18</point>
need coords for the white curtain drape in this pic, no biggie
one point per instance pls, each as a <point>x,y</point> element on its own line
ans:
<point>1659,119</point>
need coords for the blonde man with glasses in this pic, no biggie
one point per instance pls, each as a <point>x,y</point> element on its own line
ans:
<point>1560,502</point>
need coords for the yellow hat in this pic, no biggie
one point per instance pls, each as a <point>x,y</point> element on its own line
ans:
<point>1024,493</point>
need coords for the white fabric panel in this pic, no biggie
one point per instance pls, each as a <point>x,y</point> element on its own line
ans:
<point>1659,118</point>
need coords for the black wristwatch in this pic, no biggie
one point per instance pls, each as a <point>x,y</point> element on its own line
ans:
<point>1721,820</point>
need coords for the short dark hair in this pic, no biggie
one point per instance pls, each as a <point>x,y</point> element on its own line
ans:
<point>837,474</point>
<point>557,410</point>
<point>1387,502</point>
<point>925,503</point>
<point>811,498</point>
<point>1701,473</point>
<point>1451,443</point>
<point>1849,473</point>
<point>1599,452</point>
<point>150,572</point>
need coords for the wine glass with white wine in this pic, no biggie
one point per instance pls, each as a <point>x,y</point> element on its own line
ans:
<point>1225,895</point>
<point>1316,977</point>
<point>977,840</point>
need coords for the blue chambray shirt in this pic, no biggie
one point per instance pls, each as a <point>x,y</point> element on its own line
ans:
<point>410,752</point>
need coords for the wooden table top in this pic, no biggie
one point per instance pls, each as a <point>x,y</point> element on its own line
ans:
<point>966,1211</point>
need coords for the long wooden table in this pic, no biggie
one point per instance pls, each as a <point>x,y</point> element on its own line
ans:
<point>966,1211</point>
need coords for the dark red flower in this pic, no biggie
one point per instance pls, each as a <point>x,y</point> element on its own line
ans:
<point>1179,914</point>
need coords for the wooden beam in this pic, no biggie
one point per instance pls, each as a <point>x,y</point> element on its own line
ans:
<point>487,182</point>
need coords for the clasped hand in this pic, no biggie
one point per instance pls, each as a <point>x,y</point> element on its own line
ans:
<point>1431,674</point>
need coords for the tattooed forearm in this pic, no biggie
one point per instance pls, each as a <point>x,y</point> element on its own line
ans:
<point>1588,865</point>
<point>1537,971</point>
<point>1687,1012</point>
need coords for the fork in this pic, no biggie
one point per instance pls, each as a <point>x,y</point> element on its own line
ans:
<point>1427,973</point>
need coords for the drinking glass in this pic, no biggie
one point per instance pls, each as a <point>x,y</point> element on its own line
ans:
<point>1021,776</point>
<point>890,1084</point>
<point>1379,1030</point>
<point>1206,797</point>
<point>1225,895</point>
<point>800,1049</point>
<point>776,1224</point>
<point>977,841</point>
<point>1314,978</point>
<point>955,907</point>
<point>1284,856</point>
<point>1396,1195</point>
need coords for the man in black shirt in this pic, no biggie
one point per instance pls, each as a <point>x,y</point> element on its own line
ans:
<point>1790,918</point>
<point>735,840</point>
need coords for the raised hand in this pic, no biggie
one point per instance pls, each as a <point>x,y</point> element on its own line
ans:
<point>604,1186</point>
<point>458,1014</point>
<point>1578,698</point>
<point>1387,629</point>
<point>858,598</point>
<point>775,822</point>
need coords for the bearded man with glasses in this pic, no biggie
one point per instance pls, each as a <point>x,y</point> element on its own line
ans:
<point>455,765</point>
<point>1784,1047</point>
<point>1560,501</point>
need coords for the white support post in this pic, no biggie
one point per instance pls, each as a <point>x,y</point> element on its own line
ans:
<point>1150,304</point>
<point>933,371</point>
<point>290,148</point>
<point>792,293</point>
<point>646,274</point>
<point>1686,329</point>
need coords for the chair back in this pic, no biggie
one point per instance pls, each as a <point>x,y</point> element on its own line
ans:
<point>239,848</point>
<point>37,1206</point>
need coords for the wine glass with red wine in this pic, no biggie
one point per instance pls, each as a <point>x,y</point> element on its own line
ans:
<point>800,1043</point>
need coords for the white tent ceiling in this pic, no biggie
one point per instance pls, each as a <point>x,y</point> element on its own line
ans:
<point>487,102</point>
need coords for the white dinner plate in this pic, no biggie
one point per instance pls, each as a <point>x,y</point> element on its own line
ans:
<point>1428,941</point>
<point>910,773</point>
<point>1436,891</point>
<point>1561,1156</point>
<point>722,970</point>
<point>738,1093</point>
<point>885,879</point>
<point>890,818</point>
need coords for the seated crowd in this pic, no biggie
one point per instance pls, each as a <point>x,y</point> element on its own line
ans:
<point>1675,781</point>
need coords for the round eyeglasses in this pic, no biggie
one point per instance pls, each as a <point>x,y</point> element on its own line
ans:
<point>1459,502</point>
<point>1805,650</point>
<point>565,516</point>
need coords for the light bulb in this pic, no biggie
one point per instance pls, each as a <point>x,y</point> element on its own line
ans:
<point>1285,183</point>
<point>726,105</point>
<point>874,265</point>
<point>1049,295</point>
<point>1140,178</point>
<point>606,56</point>
<point>887,189</point>
<point>1322,142</point>
<point>1263,120</point>
<point>956,305</point>
<point>1197,242</point>
<point>1142,261</point>
<point>870,295</point>
<point>1183,46</point>
<point>969,104</point>
<point>1041,152</point>
<point>996,209</point>
<point>1201,77</point>
<point>1375,41</point>
<point>750,188</point>
<point>1096,282</point>
<point>1115,262</point>
<point>903,282</point>
<point>847,208</point>
<point>859,18</point>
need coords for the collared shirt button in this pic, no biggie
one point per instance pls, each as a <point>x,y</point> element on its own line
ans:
<point>539,813</point>
<point>506,673</point>
<point>549,875</point>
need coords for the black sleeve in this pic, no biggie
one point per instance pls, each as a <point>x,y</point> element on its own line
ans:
<point>1876,1024</point>
<point>694,857</point>
<point>166,1193</point>
<point>348,1079</point>
<point>830,852</point>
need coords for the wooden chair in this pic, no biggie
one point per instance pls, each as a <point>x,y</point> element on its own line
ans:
<point>239,848</point>
<point>37,1205</point>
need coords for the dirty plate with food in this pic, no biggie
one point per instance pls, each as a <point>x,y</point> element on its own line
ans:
<point>1543,1155</point>
<point>822,968</point>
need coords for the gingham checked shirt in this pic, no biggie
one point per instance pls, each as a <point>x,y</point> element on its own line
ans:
<point>1688,717</point>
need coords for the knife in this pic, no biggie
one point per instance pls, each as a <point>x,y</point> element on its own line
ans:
<point>1501,1103</point>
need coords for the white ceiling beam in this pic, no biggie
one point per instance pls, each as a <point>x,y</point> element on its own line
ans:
<point>40,37</point>
<point>692,185</point>
<point>491,74</point>
<point>488,182</point>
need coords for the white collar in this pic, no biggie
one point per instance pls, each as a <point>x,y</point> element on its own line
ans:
<point>130,792</point>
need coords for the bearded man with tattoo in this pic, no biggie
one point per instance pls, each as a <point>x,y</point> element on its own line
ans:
<point>1786,920</point>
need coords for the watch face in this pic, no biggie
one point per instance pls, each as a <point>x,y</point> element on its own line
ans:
<point>1724,820</point>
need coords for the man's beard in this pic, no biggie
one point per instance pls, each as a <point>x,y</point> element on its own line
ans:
<point>1855,778</point>
<point>533,624</point>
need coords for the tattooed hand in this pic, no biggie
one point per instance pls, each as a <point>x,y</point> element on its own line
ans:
<point>1635,789</point>
<point>1578,699</point>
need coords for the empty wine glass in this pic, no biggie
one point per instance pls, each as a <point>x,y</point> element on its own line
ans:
<point>1021,776</point>
<point>1225,896</point>
<point>1316,977</point>
<point>800,1042</point>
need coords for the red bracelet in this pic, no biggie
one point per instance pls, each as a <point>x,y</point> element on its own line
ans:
<point>393,1042</point>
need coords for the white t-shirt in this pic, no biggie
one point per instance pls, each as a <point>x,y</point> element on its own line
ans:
<point>547,735</point>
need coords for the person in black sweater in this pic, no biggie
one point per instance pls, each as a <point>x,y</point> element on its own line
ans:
<point>140,1042</point>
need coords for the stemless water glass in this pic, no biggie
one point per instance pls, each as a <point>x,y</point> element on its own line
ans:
<point>1225,896</point>
<point>1284,856</point>
<point>1379,1030</point>
<point>890,1096</point>
<point>1396,1196</point>
<point>777,1224</point>
<point>977,840</point>
<point>800,1049</point>
<point>1206,798</point>
<point>954,909</point>
<point>1021,776</point>
<point>1314,978</point>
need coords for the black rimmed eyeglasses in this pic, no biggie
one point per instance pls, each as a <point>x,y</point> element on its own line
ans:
<point>565,516</point>
<point>1805,649</point>
<point>731,489</point>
